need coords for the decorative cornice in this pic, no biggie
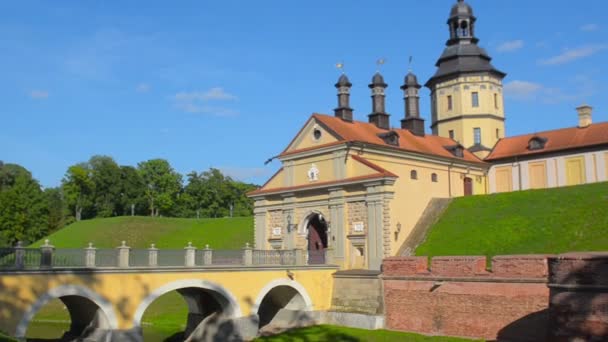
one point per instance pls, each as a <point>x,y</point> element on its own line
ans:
<point>469,116</point>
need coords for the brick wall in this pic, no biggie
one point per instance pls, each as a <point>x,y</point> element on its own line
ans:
<point>579,297</point>
<point>458,296</point>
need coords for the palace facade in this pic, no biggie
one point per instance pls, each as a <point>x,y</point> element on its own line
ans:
<point>359,188</point>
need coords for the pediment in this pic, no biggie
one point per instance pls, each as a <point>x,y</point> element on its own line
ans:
<point>314,133</point>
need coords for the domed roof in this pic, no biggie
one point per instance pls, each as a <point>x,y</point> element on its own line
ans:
<point>461,9</point>
<point>343,81</point>
<point>411,80</point>
<point>378,80</point>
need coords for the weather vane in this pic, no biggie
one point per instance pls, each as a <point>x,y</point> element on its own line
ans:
<point>340,66</point>
<point>380,62</point>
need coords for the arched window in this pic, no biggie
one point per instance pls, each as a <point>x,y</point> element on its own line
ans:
<point>414,174</point>
<point>434,178</point>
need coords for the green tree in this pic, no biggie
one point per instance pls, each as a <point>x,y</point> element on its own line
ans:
<point>132,192</point>
<point>23,212</point>
<point>56,209</point>
<point>162,185</point>
<point>106,177</point>
<point>78,189</point>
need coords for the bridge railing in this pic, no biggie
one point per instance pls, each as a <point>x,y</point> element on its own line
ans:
<point>47,256</point>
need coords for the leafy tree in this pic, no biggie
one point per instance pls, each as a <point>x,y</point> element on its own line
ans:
<point>56,209</point>
<point>23,212</point>
<point>132,192</point>
<point>78,189</point>
<point>162,185</point>
<point>106,177</point>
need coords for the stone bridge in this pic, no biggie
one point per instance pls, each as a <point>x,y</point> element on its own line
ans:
<point>107,291</point>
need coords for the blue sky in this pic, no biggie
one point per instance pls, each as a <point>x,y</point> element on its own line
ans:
<point>227,84</point>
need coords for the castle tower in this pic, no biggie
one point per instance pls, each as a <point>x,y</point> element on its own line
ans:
<point>412,120</point>
<point>379,117</point>
<point>466,91</point>
<point>344,111</point>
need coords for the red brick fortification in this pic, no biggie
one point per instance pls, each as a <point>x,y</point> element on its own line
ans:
<point>458,296</point>
<point>579,297</point>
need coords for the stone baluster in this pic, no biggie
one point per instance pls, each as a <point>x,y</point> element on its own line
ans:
<point>190,255</point>
<point>89,255</point>
<point>19,255</point>
<point>46,254</point>
<point>123,255</point>
<point>247,255</point>
<point>153,256</point>
<point>207,256</point>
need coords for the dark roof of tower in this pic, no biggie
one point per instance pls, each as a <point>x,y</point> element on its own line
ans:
<point>461,9</point>
<point>343,81</point>
<point>378,80</point>
<point>411,80</point>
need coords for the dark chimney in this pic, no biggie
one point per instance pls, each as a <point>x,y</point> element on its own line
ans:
<point>344,111</point>
<point>378,117</point>
<point>412,121</point>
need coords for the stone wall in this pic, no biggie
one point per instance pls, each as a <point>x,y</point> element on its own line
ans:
<point>275,219</point>
<point>357,291</point>
<point>579,297</point>
<point>458,296</point>
<point>357,212</point>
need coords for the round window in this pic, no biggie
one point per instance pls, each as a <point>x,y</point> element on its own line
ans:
<point>316,134</point>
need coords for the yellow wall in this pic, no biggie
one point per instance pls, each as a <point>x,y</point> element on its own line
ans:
<point>504,179</point>
<point>606,163</point>
<point>538,175</point>
<point>126,291</point>
<point>487,87</point>
<point>575,171</point>
<point>306,137</point>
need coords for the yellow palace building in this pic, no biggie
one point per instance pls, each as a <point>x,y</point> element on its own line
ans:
<point>359,188</point>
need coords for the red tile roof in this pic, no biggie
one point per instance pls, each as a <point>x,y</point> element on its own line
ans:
<point>358,131</point>
<point>557,140</point>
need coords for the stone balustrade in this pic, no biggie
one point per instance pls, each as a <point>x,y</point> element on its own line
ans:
<point>123,256</point>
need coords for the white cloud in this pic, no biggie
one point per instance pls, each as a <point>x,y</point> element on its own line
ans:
<point>245,173</point>
<point>143,88</point>
<point>39,94</point>
<point>213,94</point>
<point>574,54</point>
<point>522,89</point>
<point>590,27</point>
<point>510,46</point>
<point>198,102</point>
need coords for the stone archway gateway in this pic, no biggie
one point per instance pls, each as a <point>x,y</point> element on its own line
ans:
<point>92,316</point>
<point>317,238</point>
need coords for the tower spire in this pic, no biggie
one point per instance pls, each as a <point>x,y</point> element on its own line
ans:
<point>379,117</point>
<point>343,111</point>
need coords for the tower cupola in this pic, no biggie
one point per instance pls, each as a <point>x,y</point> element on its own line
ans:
<point>412,121</point>
<point>344,111</point>
<point>379,117</point>
<point>462,24</point>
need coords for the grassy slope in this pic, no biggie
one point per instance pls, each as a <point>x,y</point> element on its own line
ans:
<point>537,221</point>
<point>140,232</point>
<point>334,333</point>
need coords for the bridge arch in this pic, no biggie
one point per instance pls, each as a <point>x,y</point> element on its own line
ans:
<point>197,294</point>
<point>85,306</point>
<point>283,300</point>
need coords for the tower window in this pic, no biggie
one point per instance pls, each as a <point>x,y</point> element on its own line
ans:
<point>414,174</point>
<point>450,104</point>
<point>475,99</point>
<point>477,135</point>
<point>434,178</point>
<point>496,101</point>
<point>451,132</point>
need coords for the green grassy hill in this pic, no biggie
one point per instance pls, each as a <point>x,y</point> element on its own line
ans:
<point>536,221</point>
<point>140,232</point>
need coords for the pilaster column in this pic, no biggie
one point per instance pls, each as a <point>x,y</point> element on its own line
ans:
<point>207,256</point>
<point>153,256</point>
<point>123,255</point>
<point>337,235</point>
<point>190,255</point>
<point>89,255</point>
<point>260,226</point>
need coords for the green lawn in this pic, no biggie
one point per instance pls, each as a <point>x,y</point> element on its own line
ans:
<point>140,232</point>
<point>536,221</point>
<point>334,333</point>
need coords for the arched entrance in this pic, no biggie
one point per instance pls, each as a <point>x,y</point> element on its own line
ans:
<point>283,304</point>
<point>208,306</point>
<point>317,239</point>
<point>91,316</point>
